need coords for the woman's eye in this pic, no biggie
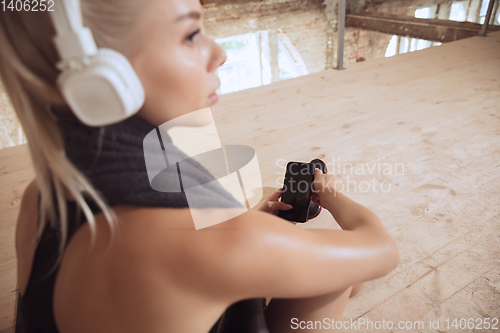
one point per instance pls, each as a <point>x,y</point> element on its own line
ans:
<point>191,36</point>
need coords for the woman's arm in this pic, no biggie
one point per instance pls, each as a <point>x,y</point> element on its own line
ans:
<point>257,255</point>
<point>349,214</point>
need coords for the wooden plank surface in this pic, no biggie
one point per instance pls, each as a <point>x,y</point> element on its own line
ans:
<point>435,113</point>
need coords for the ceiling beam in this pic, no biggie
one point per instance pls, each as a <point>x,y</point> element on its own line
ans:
<point>429,29</point>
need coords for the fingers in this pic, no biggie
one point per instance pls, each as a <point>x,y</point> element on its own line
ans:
<point>317,173</point>
<point>279,205</point>
<point>318,170</point>
<point>276,195</point>
<point>275,206</point>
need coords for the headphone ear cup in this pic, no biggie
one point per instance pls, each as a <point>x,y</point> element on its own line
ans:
<point>126,71</point>
<point>105,92</point>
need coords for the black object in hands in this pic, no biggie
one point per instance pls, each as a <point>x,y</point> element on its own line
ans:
<point>297,189</point>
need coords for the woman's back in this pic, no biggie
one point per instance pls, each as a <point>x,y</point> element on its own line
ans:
<point>144,282</point>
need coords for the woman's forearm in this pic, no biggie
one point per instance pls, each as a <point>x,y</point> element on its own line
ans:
<point>349,214</point>
<point>353,216</point>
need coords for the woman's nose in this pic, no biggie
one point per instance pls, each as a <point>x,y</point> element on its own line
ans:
<point>219,57</point>
<point>224,56</point>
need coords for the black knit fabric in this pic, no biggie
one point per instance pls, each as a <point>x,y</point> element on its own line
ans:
<point>116,168</point>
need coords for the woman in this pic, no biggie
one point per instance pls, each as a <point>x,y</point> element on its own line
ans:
<point>148,269</point>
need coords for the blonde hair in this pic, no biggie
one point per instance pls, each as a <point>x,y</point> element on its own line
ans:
<point>28,72</point>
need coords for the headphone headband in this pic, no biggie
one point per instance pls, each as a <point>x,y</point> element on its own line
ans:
<point>72,39</point>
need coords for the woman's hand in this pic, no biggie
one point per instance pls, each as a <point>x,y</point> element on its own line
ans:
<point>272,205</point>
<point>323,183</point>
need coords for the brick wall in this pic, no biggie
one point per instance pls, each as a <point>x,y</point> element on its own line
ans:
<point>302,21</point>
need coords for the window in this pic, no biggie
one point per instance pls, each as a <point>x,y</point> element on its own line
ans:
<point>458,10</point>
<point>399,44</point>
<point>249,61</point>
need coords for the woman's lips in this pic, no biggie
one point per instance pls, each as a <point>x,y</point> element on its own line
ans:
<point>213,97</point>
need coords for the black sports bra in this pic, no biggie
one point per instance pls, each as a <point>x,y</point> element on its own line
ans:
<point>35,307</point>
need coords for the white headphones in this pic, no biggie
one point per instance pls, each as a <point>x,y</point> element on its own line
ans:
<point>99,85</point>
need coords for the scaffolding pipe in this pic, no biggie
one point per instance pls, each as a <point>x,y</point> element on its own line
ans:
<point>484,28</point>
<point>340,34</point>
